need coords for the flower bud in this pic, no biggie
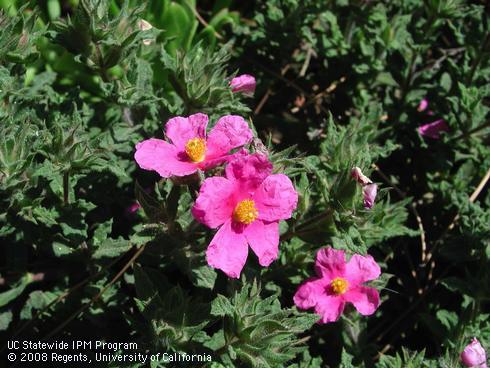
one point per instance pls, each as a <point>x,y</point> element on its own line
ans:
<point>143,25</point>
<point>424,103</point>
<point>433,130</point>
<point>360,177</point>
<point>243,83</point>
<point>369,192</point>
<point>474,355</point>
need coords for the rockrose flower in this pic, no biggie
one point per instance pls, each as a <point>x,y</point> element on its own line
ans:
<point>474,355</point>
<point>246,206</point>
<point>337,283</point>
<point>190,149</point>
<point>434,129</point>
<point>243,83</point>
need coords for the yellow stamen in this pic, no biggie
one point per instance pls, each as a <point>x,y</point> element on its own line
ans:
<point>245,212</point>
<point>339,285</point>
<point>196,149</point>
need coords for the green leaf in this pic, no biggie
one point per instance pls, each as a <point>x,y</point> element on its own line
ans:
<point>7,296</point>
<point>111,248</point>
<point>5,319</point>
<point>221,306</point>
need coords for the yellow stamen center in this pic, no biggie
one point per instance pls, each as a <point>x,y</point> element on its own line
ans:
<point>245,212</point>
<point>196,149</point>
<point>339,285</point>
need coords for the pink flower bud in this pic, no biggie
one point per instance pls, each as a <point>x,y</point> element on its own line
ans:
<point>369,192</point>
<point>360,177</point>
<point>424,103</point>
<point>243,83</point>
<point>474,355</point>
<point>433,130</point>
<point>143,25</point>
<point>132,209</point>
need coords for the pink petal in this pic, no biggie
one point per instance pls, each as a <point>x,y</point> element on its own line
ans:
<point>309,292</point>
<point>276,198</point>
<point>249,171</point>
<point>230,132</point>
<point>358,176</point>
<point>474,354</point>
<point>361,269</point>
<point>264,240</point>
<point>424,103</point>
<point>181,129</point>
<point>369,193</point>
<point>162,157</point>
<point>365,299</point>
<point>228,251</point>
<point>130,210</point>
<point>433,130</point>
<point>243,83</point>
<point>215,202</point>
<point>329,307</point>
<point>330,263</point>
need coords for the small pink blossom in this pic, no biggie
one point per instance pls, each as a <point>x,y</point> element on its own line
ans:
<point>246,205</point>
<point>143,25</point>
<point>433,130</point>
<point>474,355</point>
<point>243,83</point>
<point>337,283</point>
<point>132,209</point>
<point>424,103</point>
<point>190,149</point>
<point>359,176</point>
<point>369,193</point>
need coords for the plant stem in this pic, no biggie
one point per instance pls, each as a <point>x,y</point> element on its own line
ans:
<point>477,61</point>
<point>66,188</point>
<point>96,297</point>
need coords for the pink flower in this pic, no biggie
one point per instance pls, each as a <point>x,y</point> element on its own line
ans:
<point>474,355</point>
<point>243,83</point>
<point>190,149</point>
<point>424,103</point>
<point>357,174</point>
<point>132,209</point>
<point>337,283</point>
<point>246,206</point>
<point>432,130</point>
<point>369,193</point>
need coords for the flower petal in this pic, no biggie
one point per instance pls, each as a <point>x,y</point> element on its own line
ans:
<point>369,193</point>
<point>330,263</point>
<point>248,171</point>
<point>276,198</point>
<point>309,292</point>
<point>230,132</point>
<point>433,130</point>
<point>181,129</point>
<point>215,202</point>
<point>365,299</point>
<point>360,269</point>
<point>424,103</point>
<point>228,251</point>
<point>329,307</point>
<point>162,157</point>
<point>264,240</point>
